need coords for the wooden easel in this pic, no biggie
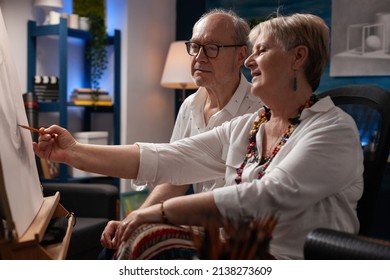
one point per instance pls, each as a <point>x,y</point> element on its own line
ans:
<point>28,246</point>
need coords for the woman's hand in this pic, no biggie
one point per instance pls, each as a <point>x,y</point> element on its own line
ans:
<point>54,143</point>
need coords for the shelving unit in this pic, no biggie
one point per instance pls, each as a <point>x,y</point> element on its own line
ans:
<point>64,33</point>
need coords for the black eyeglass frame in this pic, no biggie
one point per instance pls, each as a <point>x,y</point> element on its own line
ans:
<point>188,45</point>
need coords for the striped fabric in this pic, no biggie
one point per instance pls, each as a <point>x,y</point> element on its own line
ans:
<point>157,242</point>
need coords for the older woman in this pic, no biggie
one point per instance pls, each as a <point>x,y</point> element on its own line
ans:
<point>299,157</point>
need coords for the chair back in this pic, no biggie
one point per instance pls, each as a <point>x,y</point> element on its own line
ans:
<point>370,107</point>
<point>329,244</point>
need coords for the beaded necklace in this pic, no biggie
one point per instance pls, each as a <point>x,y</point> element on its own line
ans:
<point>252,151</point>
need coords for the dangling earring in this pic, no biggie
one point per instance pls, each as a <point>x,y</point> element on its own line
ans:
<point>295,82</point>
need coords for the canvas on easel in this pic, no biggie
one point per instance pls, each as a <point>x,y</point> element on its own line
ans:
<point>26,212</point>
<point>18,161</point>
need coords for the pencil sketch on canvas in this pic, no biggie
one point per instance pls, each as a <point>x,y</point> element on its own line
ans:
<point>20,175</point>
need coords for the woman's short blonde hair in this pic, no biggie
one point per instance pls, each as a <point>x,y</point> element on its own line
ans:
<point>300,29</point>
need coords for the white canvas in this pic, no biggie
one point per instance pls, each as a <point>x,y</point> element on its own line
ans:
<point>20,173</point>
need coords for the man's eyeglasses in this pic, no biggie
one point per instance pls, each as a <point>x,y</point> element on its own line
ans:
<point>210,50</point>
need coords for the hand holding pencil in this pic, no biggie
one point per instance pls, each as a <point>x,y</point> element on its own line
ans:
<point>54,143</point>
<point>120,161</point>
<point>36,130</point>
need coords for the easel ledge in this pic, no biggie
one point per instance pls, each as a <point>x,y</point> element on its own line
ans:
<point>28,246</point>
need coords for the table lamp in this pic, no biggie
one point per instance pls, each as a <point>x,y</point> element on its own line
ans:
<point>47,6</point>
<point>177,69</point>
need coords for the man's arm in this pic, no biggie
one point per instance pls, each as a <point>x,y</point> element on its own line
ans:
<point>164,192</point>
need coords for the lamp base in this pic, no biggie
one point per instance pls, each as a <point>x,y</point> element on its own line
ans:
<point>183,96</point>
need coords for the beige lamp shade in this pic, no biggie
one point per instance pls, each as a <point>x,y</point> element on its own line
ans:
<point>177,69</point>
<point>48,3</point>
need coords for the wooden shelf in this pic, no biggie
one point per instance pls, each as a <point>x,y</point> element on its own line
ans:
<point>63,33</point>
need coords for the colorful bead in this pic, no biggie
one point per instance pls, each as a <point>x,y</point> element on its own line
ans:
<point>252,147</point>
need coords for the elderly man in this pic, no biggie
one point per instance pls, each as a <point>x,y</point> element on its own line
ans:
<point>219,47</point>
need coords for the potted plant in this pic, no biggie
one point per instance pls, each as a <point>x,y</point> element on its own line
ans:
<point>96,51</point>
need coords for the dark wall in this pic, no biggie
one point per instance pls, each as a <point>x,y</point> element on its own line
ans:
<point>187,13</point>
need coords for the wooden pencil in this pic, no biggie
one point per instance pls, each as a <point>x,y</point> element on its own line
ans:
<point>33,129</point>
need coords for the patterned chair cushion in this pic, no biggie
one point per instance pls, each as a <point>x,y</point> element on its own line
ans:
<point>158,242</point>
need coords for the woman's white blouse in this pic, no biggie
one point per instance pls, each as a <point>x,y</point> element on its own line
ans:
<point>190,120</point>
<point>314,181</point>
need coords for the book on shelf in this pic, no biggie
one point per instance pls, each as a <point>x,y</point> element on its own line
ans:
<point>90,97</point>
<point>89,91</point>
<point>87,96</point>
<point>91,103</point>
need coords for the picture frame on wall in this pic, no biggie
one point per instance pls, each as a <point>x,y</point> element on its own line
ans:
<point>360,38</point>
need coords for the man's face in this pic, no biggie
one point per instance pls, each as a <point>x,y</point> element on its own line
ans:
<point>213,72</point>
